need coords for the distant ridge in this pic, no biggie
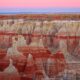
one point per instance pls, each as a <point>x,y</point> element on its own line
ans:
<point>40,11</point>
<point>56,16</point>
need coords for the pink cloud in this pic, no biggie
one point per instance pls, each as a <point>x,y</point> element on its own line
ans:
<point>39,3</point>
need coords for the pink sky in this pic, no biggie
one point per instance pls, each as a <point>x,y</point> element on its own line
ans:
<point>39,3</point>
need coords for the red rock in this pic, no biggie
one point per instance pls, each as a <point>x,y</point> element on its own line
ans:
<point>11,73</point>
<point>4,62</point>
<point>56,64</point>
<point>30,67</point>
<point>2,53</point>
<point>19,62</point>
<point>1,76</point>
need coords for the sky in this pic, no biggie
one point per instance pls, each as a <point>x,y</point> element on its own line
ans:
<point>11,6</point>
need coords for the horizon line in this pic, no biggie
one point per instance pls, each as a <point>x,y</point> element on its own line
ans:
<point>38,10</point>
